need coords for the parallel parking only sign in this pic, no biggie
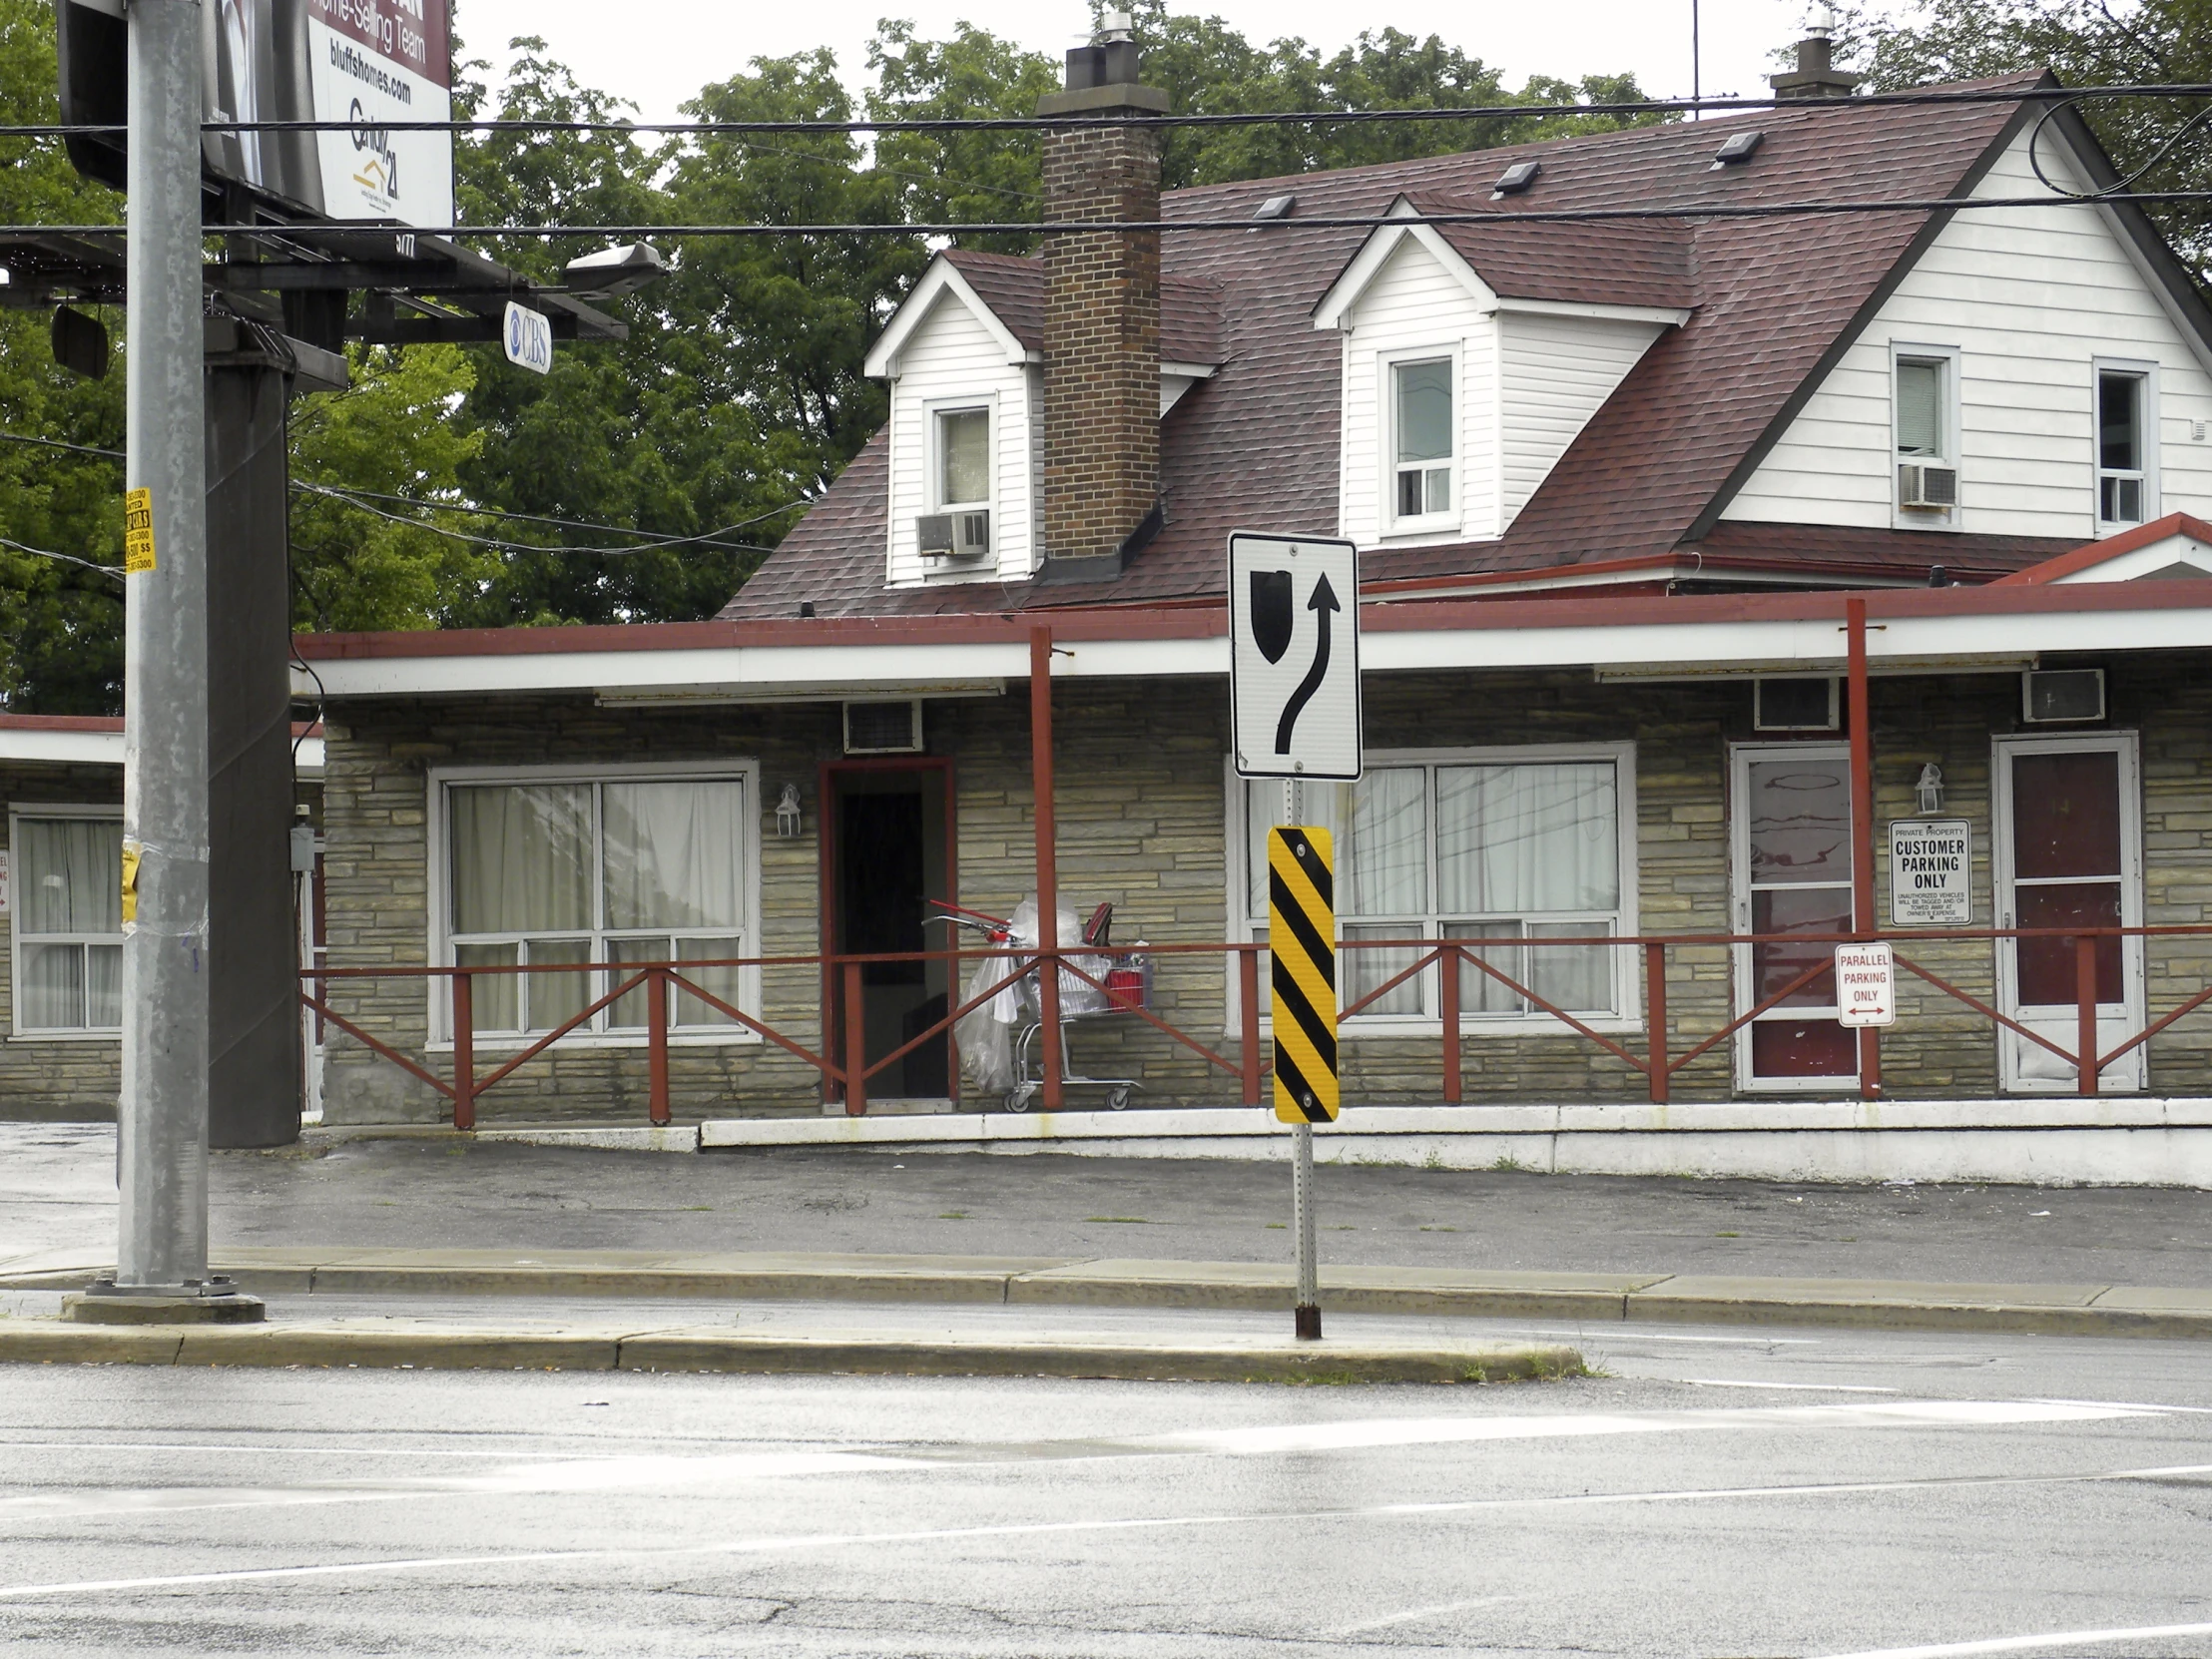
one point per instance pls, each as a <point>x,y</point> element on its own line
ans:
<point>1294,634</point>
<point>1866,985</point>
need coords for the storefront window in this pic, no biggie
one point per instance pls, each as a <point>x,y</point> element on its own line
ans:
<point>645,870</point>
<point>67,877</point>
<point>1470,847</point>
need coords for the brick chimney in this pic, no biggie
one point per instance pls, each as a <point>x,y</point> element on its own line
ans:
<point>1815,75</point>
<point>1102,316</point>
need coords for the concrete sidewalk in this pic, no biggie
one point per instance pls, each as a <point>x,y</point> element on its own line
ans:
<point>424,1275</point>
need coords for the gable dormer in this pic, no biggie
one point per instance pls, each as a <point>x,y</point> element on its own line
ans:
<point>962,435</point>
<point>1475,354</point>
<point>964,356</point>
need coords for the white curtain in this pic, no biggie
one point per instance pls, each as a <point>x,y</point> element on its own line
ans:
<point>521,858</point>
<point>68,875</point>
<point>1382,867</point>
<point>672,854</point>
<point>1527,839</point>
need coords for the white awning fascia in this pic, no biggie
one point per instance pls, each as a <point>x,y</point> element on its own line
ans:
<point>1939,643</point>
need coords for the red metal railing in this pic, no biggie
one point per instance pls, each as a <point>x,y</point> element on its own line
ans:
<point>1657,1062</point>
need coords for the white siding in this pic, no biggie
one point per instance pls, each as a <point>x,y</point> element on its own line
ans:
<point>1415,305</point>
<point>1555,373</point>
<point>2030,297</point>
<point>952,357</point>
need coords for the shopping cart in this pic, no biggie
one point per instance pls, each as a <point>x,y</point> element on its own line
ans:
<point>1124,989</point>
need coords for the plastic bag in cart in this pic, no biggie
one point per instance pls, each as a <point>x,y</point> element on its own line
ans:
<point>1077,996</point>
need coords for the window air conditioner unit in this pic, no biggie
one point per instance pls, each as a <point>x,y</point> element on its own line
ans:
<point>961,538</point>
<point>2059,696</point>
<point>1930,488</point>
<point>883,728</point>
<point>1794,704</point>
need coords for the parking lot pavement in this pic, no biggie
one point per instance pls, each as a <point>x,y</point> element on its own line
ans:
<point>56,1192</point>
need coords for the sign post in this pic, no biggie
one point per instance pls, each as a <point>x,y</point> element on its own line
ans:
<point>1293,690</point>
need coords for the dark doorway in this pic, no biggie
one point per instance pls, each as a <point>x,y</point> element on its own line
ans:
<point>890,855</point>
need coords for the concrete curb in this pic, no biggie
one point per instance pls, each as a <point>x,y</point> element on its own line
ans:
<point>722,1350</point>
<point>2053,1309</point>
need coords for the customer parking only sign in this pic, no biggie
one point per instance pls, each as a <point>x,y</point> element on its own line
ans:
<point>1931,872</point>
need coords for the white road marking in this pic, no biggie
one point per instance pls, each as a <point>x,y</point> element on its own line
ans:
<point>828,1541</point>
<point>1619,1333</point>
<point>1426,1613</point>
<point>2027,1644</point>
<point>1392,1432</point>
<point>615,1472</point>
<point>2200,1411</point>
<point>1808,1387</point>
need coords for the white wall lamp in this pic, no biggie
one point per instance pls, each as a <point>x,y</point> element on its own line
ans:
<point>787,815</point>
<point>1931,787</point>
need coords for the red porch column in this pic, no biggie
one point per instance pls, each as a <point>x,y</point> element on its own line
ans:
<point>1862,825</point>
<point>1048,874</point>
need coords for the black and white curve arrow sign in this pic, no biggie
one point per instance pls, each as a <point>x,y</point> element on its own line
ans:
<point>1294,687</point>
<point>1323,602</point>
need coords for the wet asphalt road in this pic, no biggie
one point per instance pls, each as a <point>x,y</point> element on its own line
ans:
<point>1718,1492</point>
<point>57,1192</point>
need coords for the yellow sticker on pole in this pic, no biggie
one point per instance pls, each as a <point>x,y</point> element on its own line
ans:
<point>1302,945</point>
<point>138,531</point>
<point>130,882</point>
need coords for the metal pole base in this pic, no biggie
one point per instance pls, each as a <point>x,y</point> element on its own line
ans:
<point>1308,1324</point>
<point>215,1300</point>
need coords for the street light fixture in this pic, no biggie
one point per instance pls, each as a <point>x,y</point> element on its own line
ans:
<point>614,272</point>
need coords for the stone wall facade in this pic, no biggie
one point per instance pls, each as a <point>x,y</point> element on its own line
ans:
<point>1142,803</point>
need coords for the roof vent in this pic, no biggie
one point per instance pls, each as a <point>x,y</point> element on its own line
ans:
<point>1275,207</point>
<point>1515,179</point>
<point>1737,150</point>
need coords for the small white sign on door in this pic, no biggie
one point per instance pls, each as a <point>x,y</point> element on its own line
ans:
<point>1931,872</point>
<point>1866,985</point>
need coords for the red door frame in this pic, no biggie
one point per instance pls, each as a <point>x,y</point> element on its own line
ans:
<point>833,1010</point>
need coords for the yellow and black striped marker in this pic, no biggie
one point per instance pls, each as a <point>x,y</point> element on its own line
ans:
<point>1302,940</point>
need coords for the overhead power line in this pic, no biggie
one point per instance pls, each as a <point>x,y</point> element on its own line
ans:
<point>1239,118</point>
<point>66,558</point>
<point>650,540</point>
<point>1081,226</point>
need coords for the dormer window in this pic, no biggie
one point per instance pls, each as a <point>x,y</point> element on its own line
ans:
<point>1422,440</point>
<point>963,469</point>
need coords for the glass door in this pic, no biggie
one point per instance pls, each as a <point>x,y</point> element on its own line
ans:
<point>1790,829</point>
<point>2068,852</point>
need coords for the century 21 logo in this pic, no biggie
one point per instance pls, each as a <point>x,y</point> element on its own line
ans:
<point>383,172</point>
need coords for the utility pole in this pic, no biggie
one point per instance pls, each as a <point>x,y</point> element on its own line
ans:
<point>161,1129</point>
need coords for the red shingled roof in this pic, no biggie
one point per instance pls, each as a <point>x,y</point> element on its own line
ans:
<point>1773,301</point>
<point>1190,306</point>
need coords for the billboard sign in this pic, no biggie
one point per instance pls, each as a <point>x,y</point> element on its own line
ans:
<point>365,63</point>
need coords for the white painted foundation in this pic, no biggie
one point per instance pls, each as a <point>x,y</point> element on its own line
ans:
<point>2126,1141</point>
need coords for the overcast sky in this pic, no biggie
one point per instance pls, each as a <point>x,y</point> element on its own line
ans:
<point>664,51</point>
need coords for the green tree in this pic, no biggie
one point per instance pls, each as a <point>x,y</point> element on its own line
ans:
<point>359,564</point>
<point>61,625</point>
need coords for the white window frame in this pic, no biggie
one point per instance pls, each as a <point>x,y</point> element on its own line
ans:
<point>17,939</point>
<point>1388,363</point>
<point>440,952</point>
<point>1951,356</point>
<point>1624,922</point>
<point>2147,417</point>
<point>1742,975</point>
<point>933,411</point>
